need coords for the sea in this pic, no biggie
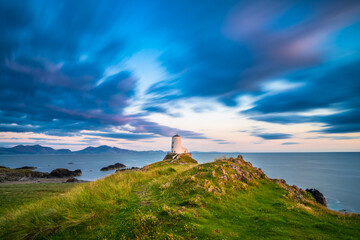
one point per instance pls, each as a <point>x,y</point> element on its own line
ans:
<point>336,175</point>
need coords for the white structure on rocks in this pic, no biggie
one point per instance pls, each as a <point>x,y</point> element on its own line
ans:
<point>176,145</point>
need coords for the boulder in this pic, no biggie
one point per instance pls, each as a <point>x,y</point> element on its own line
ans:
<point>63,172</point>
<point>71,180</point>
<point>319,197</point>
<point>112,167</point>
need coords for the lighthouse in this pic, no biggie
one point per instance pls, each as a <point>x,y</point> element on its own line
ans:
<point>176,145</point>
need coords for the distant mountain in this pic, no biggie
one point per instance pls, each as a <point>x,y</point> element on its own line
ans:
<point>103,149</point>
<point>32,149</point>
<point>38,149</point>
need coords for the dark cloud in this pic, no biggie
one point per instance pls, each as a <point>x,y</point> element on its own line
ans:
<point>289,143</point>
<point>159,109</point>
<point>220,141</point>
<point>322,90</point>
<point>53,58</point>
<point>143,126</point>
<point>61,66</point>
<point>42,139</point>
<point>248,52</point>
<point>273,136</point>
<point>288,119</point>
<point>127,136</point>
<point>338,89</point>
<point>343,122</point>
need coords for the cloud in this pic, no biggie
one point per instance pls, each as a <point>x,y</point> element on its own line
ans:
<point>127,136</point>
<point>143,126</point>
<point>49,88</point>
<point>337,89</point>
<point>64,69</point>
<point>289,143</point>
<point>220,141</point>
<point>273,136</point>
<point>251,49</point>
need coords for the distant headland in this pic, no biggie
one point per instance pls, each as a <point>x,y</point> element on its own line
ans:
<point>38,149</point>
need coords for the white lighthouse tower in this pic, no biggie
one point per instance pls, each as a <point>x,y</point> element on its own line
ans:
<point>176,145</point>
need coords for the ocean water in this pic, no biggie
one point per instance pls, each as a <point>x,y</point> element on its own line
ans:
<point>336,175</point>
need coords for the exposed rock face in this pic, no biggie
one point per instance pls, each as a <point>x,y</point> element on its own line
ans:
<point>319,197</point>
<point>27,168</point>
<point>63,172</point>
<point>112,167</point>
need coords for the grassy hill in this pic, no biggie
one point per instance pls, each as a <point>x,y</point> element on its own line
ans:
<point>180,199</point>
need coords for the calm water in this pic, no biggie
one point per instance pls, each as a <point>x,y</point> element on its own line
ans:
<point>336,175</point>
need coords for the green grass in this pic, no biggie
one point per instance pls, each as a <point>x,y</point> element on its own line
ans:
<point>13,196</point>
<point>226,199</point>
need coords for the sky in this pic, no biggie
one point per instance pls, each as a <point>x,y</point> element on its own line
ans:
<point>231,76</point>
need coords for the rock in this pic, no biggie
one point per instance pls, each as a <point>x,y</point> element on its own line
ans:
<point>112,167</point>
<point>27,168</point>
<point>23,179</point>
<point>72,179</point>
<point>63,172</point>
<point>7,174</point>
<point>35,174</point>
<point>319,197</point>
<point>124,169</point>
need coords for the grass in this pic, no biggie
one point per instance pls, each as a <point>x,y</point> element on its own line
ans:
<point>226,199</point>
<point>13,196</point>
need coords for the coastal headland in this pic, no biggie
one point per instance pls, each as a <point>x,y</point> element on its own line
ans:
<point>177,198</point>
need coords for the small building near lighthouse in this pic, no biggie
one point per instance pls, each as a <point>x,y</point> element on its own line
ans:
<point>176,145</point>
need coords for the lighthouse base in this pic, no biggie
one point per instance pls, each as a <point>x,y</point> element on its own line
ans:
<point>171,155</point>
<point>182,158</point>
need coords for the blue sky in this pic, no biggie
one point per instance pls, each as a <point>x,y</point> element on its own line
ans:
<point>225,75</point>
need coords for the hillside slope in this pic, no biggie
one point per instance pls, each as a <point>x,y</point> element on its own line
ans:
<point>224,199</point>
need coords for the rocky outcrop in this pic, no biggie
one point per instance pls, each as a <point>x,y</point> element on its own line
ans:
<point>27,174</point>
<point>179,158</point>
<point>7,174</point>
<point>294,192</point>
<point>127,169</point>
<point>27,168</point>
<point>113,167</point>
<point>63,172</point>
<point>71,180</point>
<point>319,197</point>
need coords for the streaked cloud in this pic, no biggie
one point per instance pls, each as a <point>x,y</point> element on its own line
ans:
<point>145,70</point>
